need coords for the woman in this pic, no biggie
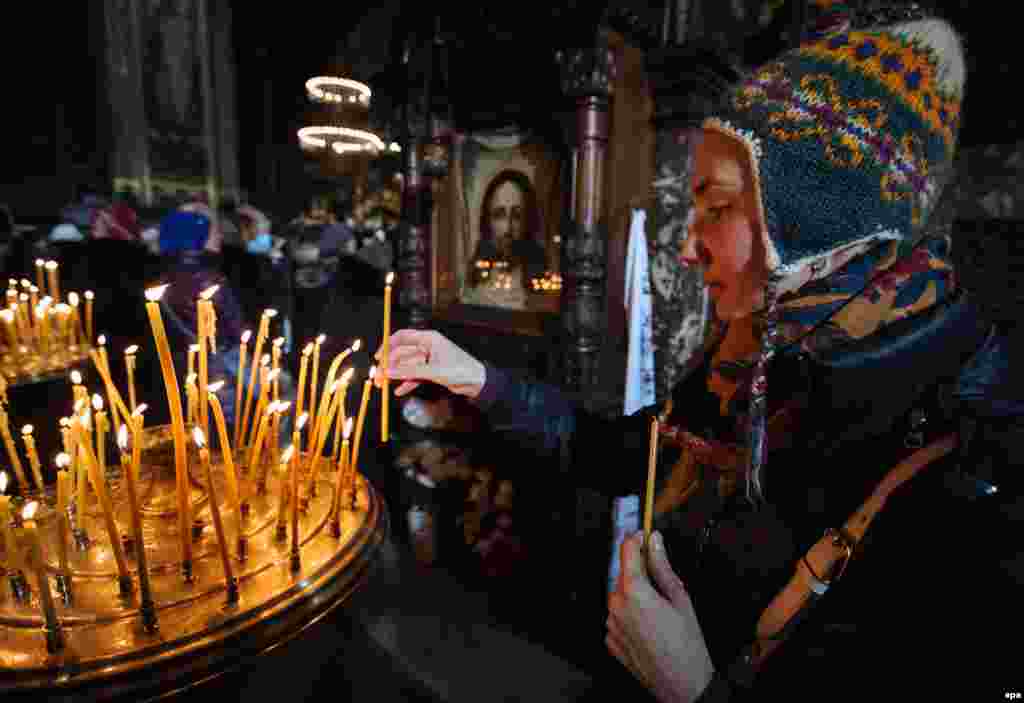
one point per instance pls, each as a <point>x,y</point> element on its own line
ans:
<point>844,347</point>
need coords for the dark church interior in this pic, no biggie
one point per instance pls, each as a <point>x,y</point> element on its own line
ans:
<point>264,195</point>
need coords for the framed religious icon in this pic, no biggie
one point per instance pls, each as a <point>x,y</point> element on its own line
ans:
<point>501,231</point>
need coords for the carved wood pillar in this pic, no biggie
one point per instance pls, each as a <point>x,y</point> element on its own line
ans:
<point>587,77</point>
<point>413,247</point>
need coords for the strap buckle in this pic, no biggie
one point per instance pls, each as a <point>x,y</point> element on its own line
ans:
<point>842,538</point>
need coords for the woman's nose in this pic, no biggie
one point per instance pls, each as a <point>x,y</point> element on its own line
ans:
<point>689,254</point>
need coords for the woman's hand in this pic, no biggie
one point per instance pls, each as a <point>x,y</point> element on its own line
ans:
<point>416,356</point>
<point>657,637</point>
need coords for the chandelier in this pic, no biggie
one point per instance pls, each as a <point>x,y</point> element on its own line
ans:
<point>337,138</point>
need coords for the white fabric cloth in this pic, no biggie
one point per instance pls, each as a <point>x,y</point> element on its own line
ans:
<point>639,309</point>
<point>626,511</point>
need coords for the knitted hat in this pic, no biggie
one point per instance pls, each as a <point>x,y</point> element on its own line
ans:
<point>850,137</point>
<point>183,231</point>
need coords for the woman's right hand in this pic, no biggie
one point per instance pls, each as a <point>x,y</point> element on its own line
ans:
<point>416,356</point>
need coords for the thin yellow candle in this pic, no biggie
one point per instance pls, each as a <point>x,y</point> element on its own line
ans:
<point>33,457</point>
<point>652,460</point>
<point>12,451</point>
<point>78,333</point>
<point>367,385</point>
<point>339,485</point>
<point>276,366</point>
<point>314,379</point>
<point>40,269</point>
<point>230,477</point>
<point>153,296</point>
<point>63,528</point>
<point>261,336</point>
<point>42,328</point>
<point>34,553</point>
<point>342,415</point>
<point>289,459</point>
<point>129,466</point>
<point>302,378</point>
<point>190,395</point>
<point>294,482</point>
<point>322,425</point>
<point>138,423</point>
<point>100,420</point>
<point>256,448</point>
<point>261,404</point>
<point>385,396</point>
<point>33,296</point>
<point>336,364</point>
<point>63,313</point>
<point>129,365</point>
<point>238,386</point>
<point>114,401</point>
<point>205,317</point>
<point>193,351</point>
<point>222,542</point>
<point>77,388</point>
<point>81,476</point>
<point>14,555</point>
<point>10,329</point>
<point>89,296</point>
<point>54,279</point>
<point>99,484</point>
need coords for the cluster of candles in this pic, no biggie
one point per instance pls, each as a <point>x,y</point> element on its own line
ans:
<point>251,451</point>
<point>501,279</point>
<point>550,281</point>
<point>42,331</point>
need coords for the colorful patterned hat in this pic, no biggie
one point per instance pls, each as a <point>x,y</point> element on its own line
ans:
<point>850,138</point>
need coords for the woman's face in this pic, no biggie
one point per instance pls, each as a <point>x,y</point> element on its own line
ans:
<point>724,237</point>
<point>506,215</point>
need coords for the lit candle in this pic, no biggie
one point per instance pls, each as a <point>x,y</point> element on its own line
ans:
<point>288,463</point>
<point>225,557</point>
<point>302,378</point>
<point>113,397</point>
<point>89,295</point>
<point>256,448</point>
<point>130,469</point>
<point>15,562</point>
<point>384,398</point>
<point>340,480</point>
<point>193,351</point>
<point>99,484</point>
<point>77,388</point>
<point>367,385</point>
<point>76,320</point>
<point>42,328</point>
<point>33,457</point>
<point>12,451</point>
<point>261,336</point>
<point>276,366</point>
<point>238,386</point>
<point>153,296</point>
<point>33,296</point>
<point>261,404</point>
<point>100,422</point>
<point>10,329</point>
<point>205,319</point>
<point>336,364</point>
<point>230,477</point>
<point>321,427</point>
<point>63,527</point>
<point>52,276</point>
<point>136,427</point>
<point>190,394</point>
<point>40,268</point>
<point>129,364</point>
<point>313,400</point>
<point>78,466</point>
<point>294,482</point>
<point>652,460</point>
<point>34,553</point>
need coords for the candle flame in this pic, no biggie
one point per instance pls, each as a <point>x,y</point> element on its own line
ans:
<point>132,349</point>
<point>33,289</point>
<point>301,422</point>
<point>51,265</point>
<point>193,348</point>
<point>347,376</point>
<point>348,429</point>
<point>3,481</point>
<point>24,296</point>
<point>97,402</point>
<point>321,338</point>
<point>373,372</point>
<point>62,461</point>
<point>278,342</point>
<point>286,456</point>
<point>282,407</point>
<point>270,312</point>
<point>209,292</point>
<point>73,299</point>
<point>139,409</point>
<point>101,340</point>
<point>246,336</point>
<point>308,349</point>
<point>27,430</point>
<point>89,295</point>
<point>64,422</point>
<point>25,283</point>
<point>29,511</point>
<point>7,316</point>
<point>199,437</point>
<point>390,278</point>
<point>76,378</point>
<point>356,345</point>
<point>40,262</point>
<point>191,379</point>
<point>215,387</point>
<point>265,359</point>
<point>122,438</point>
<point>152,294</point>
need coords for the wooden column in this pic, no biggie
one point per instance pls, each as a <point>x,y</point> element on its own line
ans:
<point>587,76</point>
<point>413,247</point>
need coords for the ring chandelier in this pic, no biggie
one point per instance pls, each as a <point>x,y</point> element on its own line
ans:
<point>333,90</point>
<point>343,140</point>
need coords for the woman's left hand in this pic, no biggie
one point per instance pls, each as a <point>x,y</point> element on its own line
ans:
<point>655,636</point>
